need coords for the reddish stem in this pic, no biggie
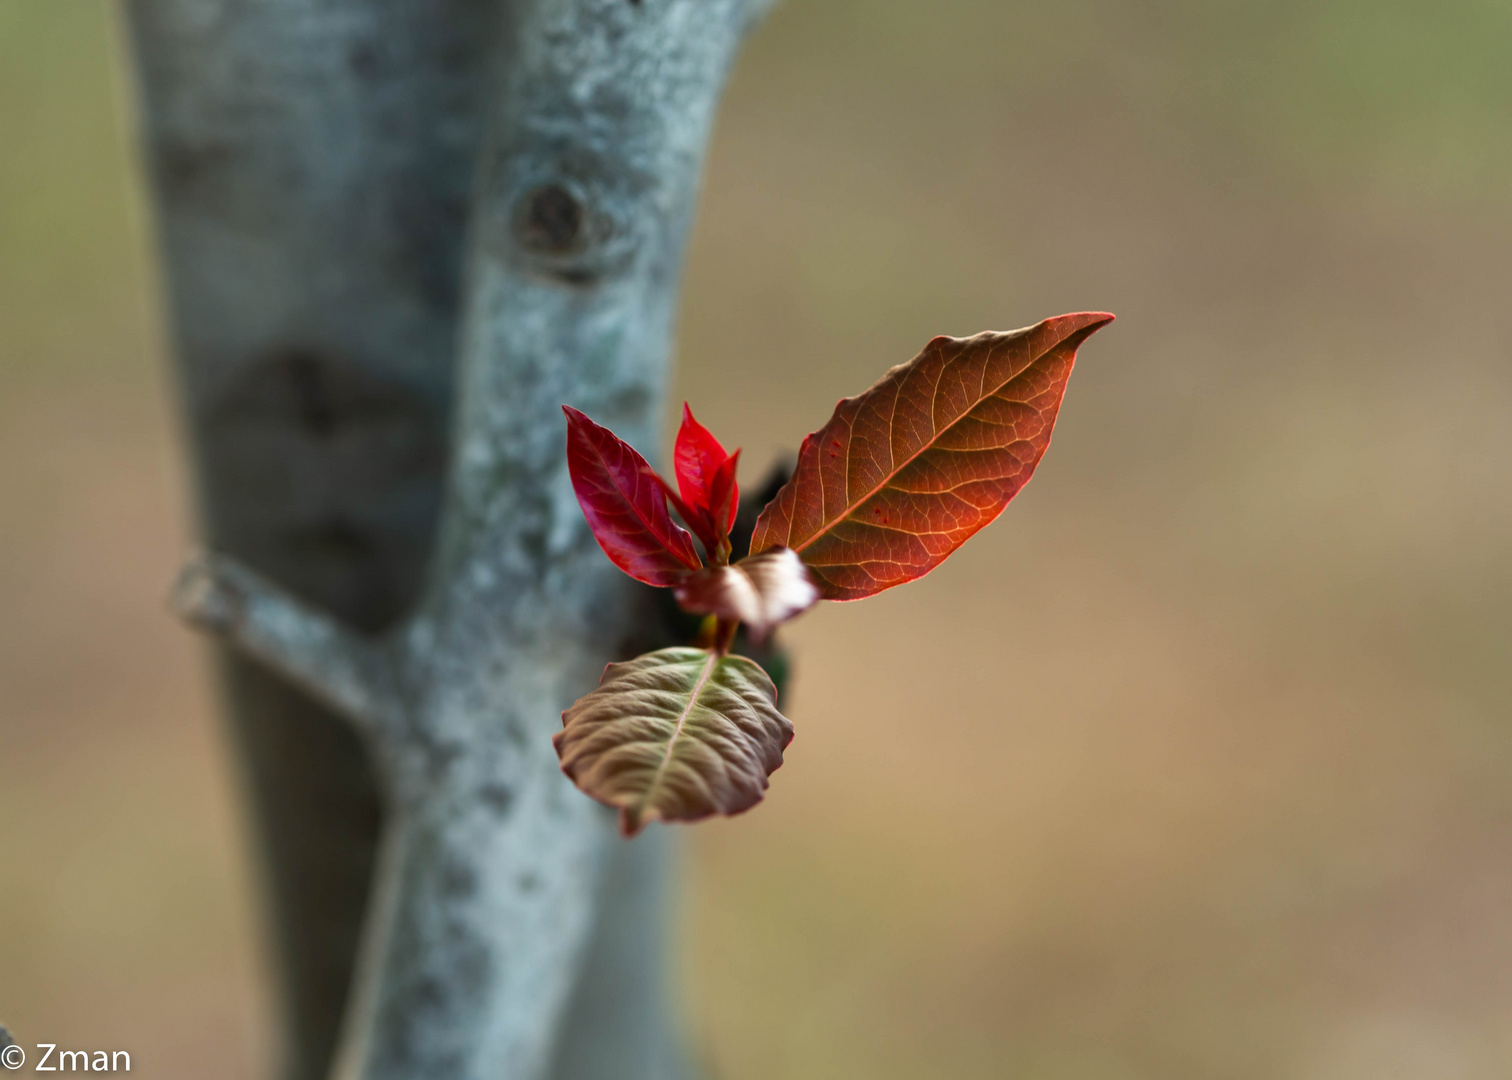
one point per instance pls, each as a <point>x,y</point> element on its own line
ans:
<point>724,635</point>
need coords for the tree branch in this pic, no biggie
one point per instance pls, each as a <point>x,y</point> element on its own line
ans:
<point>622,1021</point>
<point>351,673</point>
<point>310,160</point>
<point>309,163</point>
<point>492,889</point>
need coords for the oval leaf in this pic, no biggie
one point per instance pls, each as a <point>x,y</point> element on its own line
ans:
<point>675,735</point>
<point>907,472</point>
<point>626,505</point>
<point>760,591</point>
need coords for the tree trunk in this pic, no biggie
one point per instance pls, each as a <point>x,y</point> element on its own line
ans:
<point>312,161</point>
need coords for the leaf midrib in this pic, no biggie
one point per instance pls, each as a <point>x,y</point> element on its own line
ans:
<point>677,731</point>
<point>892,474</point>
<point>649,526</point>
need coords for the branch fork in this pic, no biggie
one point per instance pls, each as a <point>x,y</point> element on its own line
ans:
<point>356,675</point>
<point>493,873</point>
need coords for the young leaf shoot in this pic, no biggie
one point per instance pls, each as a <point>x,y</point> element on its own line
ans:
<point>898,479</point>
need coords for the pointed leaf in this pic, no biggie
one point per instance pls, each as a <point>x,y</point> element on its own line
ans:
<point>675,735</point>
<point>760,591</point>
<point>906,472</point>
<point>707,496</point>
<point>626,505</point>
<point>696,457</point>
<point>724,495</point>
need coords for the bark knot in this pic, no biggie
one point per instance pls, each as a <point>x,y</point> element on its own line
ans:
<point>551,220</point>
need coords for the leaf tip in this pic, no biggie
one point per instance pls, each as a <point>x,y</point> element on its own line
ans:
<point>1074,328</point>
<point>630,823</point>
<point>1092,321</point>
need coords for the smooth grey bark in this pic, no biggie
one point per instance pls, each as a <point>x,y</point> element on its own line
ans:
<point>309,161</point>
<point>310,165</point>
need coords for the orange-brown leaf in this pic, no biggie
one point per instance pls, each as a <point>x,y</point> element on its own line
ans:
<point>905,473</point>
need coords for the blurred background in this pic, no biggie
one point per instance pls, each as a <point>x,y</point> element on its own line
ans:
<point>1197,764</point>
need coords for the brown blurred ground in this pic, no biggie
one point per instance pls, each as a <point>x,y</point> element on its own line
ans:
<point>1197,765</point>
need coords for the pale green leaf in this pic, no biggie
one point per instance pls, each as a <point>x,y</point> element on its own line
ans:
<point>675,735</point>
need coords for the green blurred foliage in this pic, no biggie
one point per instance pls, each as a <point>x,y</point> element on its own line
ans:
<point>71,253</point>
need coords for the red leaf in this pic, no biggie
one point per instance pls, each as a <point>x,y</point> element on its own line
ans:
<point>760,590</point>
<point>626,505</point>
<point>724,495</point>
<point>908,471</point>
<point>696,458</point>
<point>707,493</point>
